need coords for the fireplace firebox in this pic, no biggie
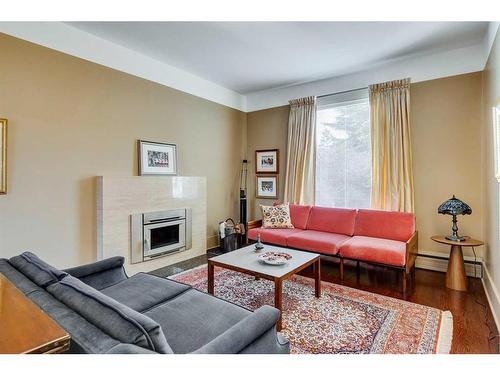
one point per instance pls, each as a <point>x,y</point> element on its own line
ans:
<point>160,233</point>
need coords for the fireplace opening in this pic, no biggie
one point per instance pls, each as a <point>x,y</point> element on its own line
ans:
<point>160,233</point>
<point>164,236</point>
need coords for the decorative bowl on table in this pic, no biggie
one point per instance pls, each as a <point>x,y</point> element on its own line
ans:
<point>275,258</point>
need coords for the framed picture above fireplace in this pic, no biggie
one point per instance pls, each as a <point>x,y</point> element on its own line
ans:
<point>157,158</point>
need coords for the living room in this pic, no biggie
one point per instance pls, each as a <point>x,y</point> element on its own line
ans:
<point>249,187</point>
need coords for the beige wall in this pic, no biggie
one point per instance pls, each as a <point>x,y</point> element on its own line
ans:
<point>446,121</point>
<point>266,129</point>
<point>491,77</point>
<point>446,125</point>
<point>70,120</point>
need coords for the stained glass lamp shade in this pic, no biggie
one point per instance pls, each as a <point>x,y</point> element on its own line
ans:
<point>454,207</point>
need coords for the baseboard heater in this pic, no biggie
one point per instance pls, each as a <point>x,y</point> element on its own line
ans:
<point>439,262</point>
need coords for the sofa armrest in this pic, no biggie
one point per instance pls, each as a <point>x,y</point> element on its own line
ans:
<point>129,349</point>
<point>96,267</point>
<point>411,251</point>
<point>254,224</point>
<point>243,333</point>
<point>101,274</point>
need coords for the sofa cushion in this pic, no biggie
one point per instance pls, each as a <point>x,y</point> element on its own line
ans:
<point>113,318</point>
<point>41,273</point>
<point>273,236</point>
<point>313,240</point>
<point>21,281</point>
<point>299,215</point>
<point>333,220</point>
<point>85,336</point>
<point>192,319</point>
<point>376,250</point>
<point>277,216</point>
<point>392,225</point>
<point>143,291</point>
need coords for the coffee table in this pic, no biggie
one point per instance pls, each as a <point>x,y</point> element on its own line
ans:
<point>245,260</point>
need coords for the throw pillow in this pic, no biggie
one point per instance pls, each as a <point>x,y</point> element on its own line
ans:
<point>276,216</point>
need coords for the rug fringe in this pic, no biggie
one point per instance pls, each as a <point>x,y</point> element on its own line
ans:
<point>445,336</point>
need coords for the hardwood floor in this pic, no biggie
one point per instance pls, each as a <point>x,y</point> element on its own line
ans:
<point>474,329</point>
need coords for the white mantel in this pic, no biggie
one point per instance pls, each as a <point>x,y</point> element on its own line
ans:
<point>120,197</point>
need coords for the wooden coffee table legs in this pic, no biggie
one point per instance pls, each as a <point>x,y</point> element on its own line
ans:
<point>210,278</point>
<point>278,287</point>
<point>317,278</point>
<point>455,276</point>
<point>278,291</point>
<point>278,301</point>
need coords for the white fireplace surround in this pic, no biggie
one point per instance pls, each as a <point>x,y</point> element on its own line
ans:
<point>118,198</point>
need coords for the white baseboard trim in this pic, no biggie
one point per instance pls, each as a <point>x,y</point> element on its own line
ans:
<point>441,264</point>
<point>492,295</point>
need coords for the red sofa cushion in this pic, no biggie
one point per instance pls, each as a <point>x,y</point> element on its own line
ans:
<point>333,220</point>
<point>392,225</point>
<point>299,215</point>
<point>272,236</point>
<point>321,242</point>
<point>377,250</point>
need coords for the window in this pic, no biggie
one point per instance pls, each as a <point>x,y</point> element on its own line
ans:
<point>343,150</point>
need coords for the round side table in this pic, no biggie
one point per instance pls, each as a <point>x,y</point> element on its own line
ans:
<point>455,276</point>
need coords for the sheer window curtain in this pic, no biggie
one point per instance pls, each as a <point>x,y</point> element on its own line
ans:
<point>301,152</point>
<point>392,174</point>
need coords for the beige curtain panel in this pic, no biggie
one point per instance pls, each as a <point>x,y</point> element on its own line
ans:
<point>301,150</point>
<point>392,174</point>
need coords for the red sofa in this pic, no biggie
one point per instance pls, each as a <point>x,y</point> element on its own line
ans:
<point>379,237</point>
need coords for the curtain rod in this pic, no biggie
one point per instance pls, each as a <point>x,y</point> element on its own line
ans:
<point>342,92</point>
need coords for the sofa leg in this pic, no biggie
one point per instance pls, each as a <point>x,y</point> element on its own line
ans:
<point>404,282</point>
<point>342,269</point>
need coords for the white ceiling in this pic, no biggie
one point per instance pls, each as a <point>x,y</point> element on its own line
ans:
<point>251,56</point>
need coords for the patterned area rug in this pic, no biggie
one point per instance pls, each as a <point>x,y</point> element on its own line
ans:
<point>343,320</point>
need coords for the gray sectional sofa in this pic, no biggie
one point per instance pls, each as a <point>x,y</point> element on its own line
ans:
<point>105,311</point>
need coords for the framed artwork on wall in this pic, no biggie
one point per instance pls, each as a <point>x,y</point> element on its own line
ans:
<point>157,158</point>
<point>267,187</point>
<point>3,156</point>
<point>267,161</point>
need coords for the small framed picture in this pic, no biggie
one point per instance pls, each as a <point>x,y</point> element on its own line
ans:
<point>157,158</point>
<point>267,187</point>
<point>267,161</point>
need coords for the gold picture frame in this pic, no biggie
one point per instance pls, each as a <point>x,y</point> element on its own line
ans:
<point>3,156</point>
